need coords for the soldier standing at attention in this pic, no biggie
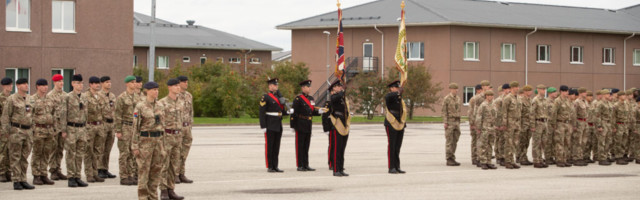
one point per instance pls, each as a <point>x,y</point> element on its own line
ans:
<point>539,117</point>
<point>43,132</point>
<point>636,146</point>
<point>588,139</point>
<point>57,94</point>
<point>95,130</point>
<point>620,117</point>
<point>485,123</point>
<point>108,114</point>
<point>561,119</point>
<point>631,120</point>
<point>125,104</point>
<point>327,126</point>
<point>501,125</point>
<point>474,103</point>
<point>147,142</point>
<point>5,169</point>
<point>303,111</point>
<point>512,109</point>
<point>602,123</point>
<point>549,147</point>
<point>582,114</point>
<point>341,120</point>
<point>395,123</point>
<point>74,116</point>
<point>16,126</point>
<point>451,118</point>
<point>187,122</point>
<point>172,114</point>
<point>528,123</point>
<point>271,111</point>
<point>139,89</point>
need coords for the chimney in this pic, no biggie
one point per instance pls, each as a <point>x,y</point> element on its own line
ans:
<point>191,22</point>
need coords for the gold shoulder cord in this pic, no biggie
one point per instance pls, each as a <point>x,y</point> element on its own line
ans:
<point>397,125</point>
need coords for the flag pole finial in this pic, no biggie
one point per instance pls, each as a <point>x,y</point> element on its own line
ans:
<point>338,3</point>
<point>402,5</point>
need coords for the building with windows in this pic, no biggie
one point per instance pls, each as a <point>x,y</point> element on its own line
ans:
<point>192,45</point>
<point>42,38</point>
<point>466,41</point>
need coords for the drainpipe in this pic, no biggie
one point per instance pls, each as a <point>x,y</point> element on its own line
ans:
<point>624,62</point>
<point>382,65</point>
<point>526,55</point>
<point>245,61</point>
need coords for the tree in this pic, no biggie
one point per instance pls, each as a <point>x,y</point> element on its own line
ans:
<point>419,90</point>
<point>367,92</point>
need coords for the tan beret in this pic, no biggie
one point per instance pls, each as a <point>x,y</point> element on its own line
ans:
<point>604,91</point>
<point>514,84</point>
<point>488,93</point>
<point>629,92</point>
<point>453,86</point>
<point>541,86</point>
<point>527,88</point>
<point>589,93</point>
<point>582,90</point>
<point>485,83</point>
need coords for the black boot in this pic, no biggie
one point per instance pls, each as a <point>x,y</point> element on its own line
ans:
<point>72,182</point>
<point>26,186</point>
<point>101,173</point>
<point>81,183</point>
<point>109,174</point>
<point>393,171</point>
<point>400,171</point>
<point>17,186</point>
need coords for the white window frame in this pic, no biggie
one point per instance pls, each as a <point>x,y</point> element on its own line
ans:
<point>258,61</point>
<point>61,72</point>
<point>166,58</point>
<point>53,29</point>
<point>580,55</point>
<point>636,57</point>
<point>464,92</point>
<point>512,52</point>
<point>17,28</point>
<point>475,52</point>
<point>135,60</point>
<point>410,56</point>
<point>612,56</point>
<point>234,62</point>
<point>205,60</point>
<point>186,59</point>
<point>15,78</point>
<point>547,53</point>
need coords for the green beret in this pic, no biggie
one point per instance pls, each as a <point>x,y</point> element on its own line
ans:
<point>604,91</point>
<point>551,90</point>
<point>129,79</point>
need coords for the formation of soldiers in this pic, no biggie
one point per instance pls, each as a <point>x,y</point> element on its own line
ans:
<point>564,127</point>
<point>154,136</point>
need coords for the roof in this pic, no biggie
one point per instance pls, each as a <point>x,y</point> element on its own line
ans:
<point>171,35</point>
<point>280,56</point>
<point>478,13</point>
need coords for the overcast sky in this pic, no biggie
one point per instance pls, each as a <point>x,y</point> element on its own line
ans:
<point>257,19</point>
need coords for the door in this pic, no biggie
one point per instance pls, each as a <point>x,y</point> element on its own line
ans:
<point>367,57</point>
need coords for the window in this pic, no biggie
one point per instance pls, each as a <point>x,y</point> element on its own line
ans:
<point>415,51</point>
<point>63,16</point>
<point>66,74</point>
<point>15,74</point>
<point>608,56</point>
<point>135,60</point>
<point>255,61</point>
<point>234,60</point>
<point>17,15</point>
<point>543,52</point>
<point>636,57</point>
<point>186,59</point>
<point>468,93</point>
<point>508,52</point>
<point>163,62</point>
<point>576,55</point>
<point>471,51</point>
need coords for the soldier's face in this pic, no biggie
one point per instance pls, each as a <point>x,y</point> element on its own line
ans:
<point>58,84</point>
<point>184,85</point>
<point>153,93</point>
<point>393,89</point>
<point>565,93</point>
<point>489,97</point>
<point>7,87</point>
<point>515,90</point>
<point>273,87</point>
<point>589,98</point>
<point>174,89</point>
<point>94,86</point>
<point>453,91</point>
<point>486,88</point>
<point>42,88</point>
<point>305,89</point>
<point>541,91</point>
<point>138,85</point>
<point>23,87</point>
<point>106,84</point>
<point>131,85</point>
<point>77,85</point>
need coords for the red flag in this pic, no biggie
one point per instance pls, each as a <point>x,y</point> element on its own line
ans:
<point>339,72</point>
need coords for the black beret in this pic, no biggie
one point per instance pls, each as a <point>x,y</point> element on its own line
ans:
<point>6,81</point>
<point>94,79</point>
<point>638,99</point>
<point>76,77</point>
<point>138,79</point>
<point>506,86</point>
<point>305,83</point>
<point>564,88</point>
<point>573,92</point>
<point>334,84</point>
<point>615,90</point>
<point>182,78</point>
<point>41,82</point>
<point>394,84</point>
<point>104,79</point>
<point>150,85</point>
<point>172,82</point>
<point>478,87</point>
<point>273,81</point>
<point>21,81</point>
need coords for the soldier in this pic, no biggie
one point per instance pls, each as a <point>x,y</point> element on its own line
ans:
<point>539,117</point>
<point>549,147</point>
<point>629,136</point>
<point>74,116</point>
<point>562,120</point>
<point>172,118</point>
<point>108,115</point>
<point>636,132</point>
<point>95,130</point>
<point>341,120</point>
<point>589,138</point>
<point>43,132</point>
<point>327,126</point>
<point>16,126</point>
<point>139,89</point>
<point>57,94</point>
<point>474,103</point>
<point>527,126</point>
<point>512,109</point>
<point>581,127</point>
<point>451,118</point>
<point>125,104</point>
<point>271,112</point>
<point>395,123</point>
<point>147,142</point>
<point>613,99</point>
<point>603,127</point>
<point>620,117</point>
<point>5,169</point>
<point>500,132</point>
<point>485,123</point>
<point>303,111</point>
<point>187,122</point>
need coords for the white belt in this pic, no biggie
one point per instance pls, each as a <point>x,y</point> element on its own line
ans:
<point>277,114</point>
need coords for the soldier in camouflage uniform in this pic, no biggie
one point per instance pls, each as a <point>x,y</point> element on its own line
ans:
<point>581,127</point>
<point>43,132</point>
<point>562,118</point>
<point>620,117</point>
<point>125,104</point>
<point>549,147</point>
<point>613,98</point>
<point>539,118</point>
<point>512,109</point>
<point>108,115</point>
<point>527,126</point>
<point>474,103</point>
<point>187,122</point>
<point>629,136</point>
<point>500,132</point>
<point>16,126</point>
<point>5,172</point>
<point>602,123</point>
<point>147,142</point>
<point>451,118</point>
<point>95,130</point>
<point>636,132</point>
<point>485,119</point>
<point>74,117</point>
<point>57,94</point>
<point>172,140</point>
<point>589,138</point>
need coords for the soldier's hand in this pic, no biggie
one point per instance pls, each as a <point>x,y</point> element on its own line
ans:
<point>136,152</point>
<point>446,125</point>
<point>64,135</point>
<point>614,130</point>
<point>264,130</point>
<point>119,135</point>
<point>533,129</point>
<point>327,133</point>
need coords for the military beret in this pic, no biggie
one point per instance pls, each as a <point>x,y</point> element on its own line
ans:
<point>506,86</point>
<point>589,93</point>
<point>499,89</point>
<point>334,84</point>
<point>488,93</point>
<point>273,81</point>
<point>535,91</point>
<point>394,84</point>
<point>582,90</point>
<point>621,93</point>
<point>57,77</point>
<point>527,88</point>
<point>6,81</point>
<point>41,82</point>
<point>172,82</point>
<point>453,86</point>
<point>150,85</point>
<point>129,79</point>
<point>514,84</point>
<point>629,92</point>
<point>551,90</point>
<point>541,86</point>
<point>614,90</point>
<point>638,99</point>
<point>21,81</point>
<point>182,78</point>
<point>104,79</point>
<point>573,92</point>
<point>604,91</point>
<point>478,87</point>
<point>139,79</point>
<point>305,83</point>
<point>521,91</point>
<point>76,77</point>
<point>485,83</point>
<point>564,88</point>
<point>94,79</point>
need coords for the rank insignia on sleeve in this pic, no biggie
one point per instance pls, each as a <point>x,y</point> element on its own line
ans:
<point>135,115</point>
<point>262,103</point>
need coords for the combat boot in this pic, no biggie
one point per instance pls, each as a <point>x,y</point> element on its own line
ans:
<point>81,183</point>
<point>125,181</point>
<point>452,162</point>
<point>559,164</point>
<point>393,171</point>
<point>178,178</point>
<point>8,176</point>
<point>637,161</point>
<point>73,183</point>
<point>46,180</point>
<point>17,186</point>
<point>109,174</point>
<point>509,166</point>
<point>552,162</point>
<point>26,186</point>
<point>526,162</point>
<point>101,174</point>
<point>604,162</point>
<point>484,166</point>
<point>3,179</point>
<point>621,161</point>
<point>538,165</point>
<point>491,166</point>
<point>134,180</point>
<point>500,161</point>
<point>184,179</point>
<point>37,180</point>
<point>580,163</point>
<point>475,162</point>
<point>164,195</point>
<point>91,179</point>
<point>173,195</point>
<point>98,179</point>
<point>60,175</point>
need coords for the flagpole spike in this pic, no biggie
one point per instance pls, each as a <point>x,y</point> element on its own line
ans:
<point>402,5</point>
<point>338,3</point>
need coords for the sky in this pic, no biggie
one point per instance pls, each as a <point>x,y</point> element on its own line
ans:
<point>257,19</point>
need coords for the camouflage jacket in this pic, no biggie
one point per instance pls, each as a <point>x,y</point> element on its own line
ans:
<point>187,100</point>
<point>58,107</point>
<point>172,113</point>
<point>603,113</point>
<point>110,101</point>
<point>581,110</point>
<point>474,104</point>
<point>95,106</point>
<point>43,111</point>
<point>512,110</point>
<point>16,109</point>
<point>539,109</point>
<point>486,116</point>
<point>562,110</point>
<point>621,112</point>
<point>75,111</point>
<point>526,113</point>
<point>148,117</point>
<point>451,107</point>
<point>125,105</point>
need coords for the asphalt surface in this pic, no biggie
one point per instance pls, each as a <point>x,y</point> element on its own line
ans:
<point>228,163</point>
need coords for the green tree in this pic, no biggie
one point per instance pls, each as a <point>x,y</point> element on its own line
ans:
<point>419,90</point>
<point>367,92</point>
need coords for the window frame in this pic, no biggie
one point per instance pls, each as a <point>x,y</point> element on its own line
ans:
<point>612,56</point>
<point>66,79</point>
<point>512,52</point>
<point>258,62</point>
<point>16,72</point>
<point>62,30</point>
<point>135,60</point>
<point>234,62</point>
<point>17,27</point>
<point>420,54</point>
<point>580,55</point>
<point>476,52</point>
<point>636,58</point>
<point>158,62</point>
<point>203,58</point>
<point>187,60</point>
<point>547,53</point>
<point>466,99</point>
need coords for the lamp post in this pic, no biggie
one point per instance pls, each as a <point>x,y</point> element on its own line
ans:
<point>152,45</point>
<point>327,73</point>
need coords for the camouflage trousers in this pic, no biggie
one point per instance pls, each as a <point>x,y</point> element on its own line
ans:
<point>578,140</point>
<point>103,162</point>
<point>75,145</point>
<point>635,143</point>
<point>171,165</point>
<point>43,145</point>
<point>95,148</point>
<point>601,142</point>
<point>589,144</point>
<point>452,134</point>
<point>628,134</point>
<point>537,147</point>
<point>19,149</point>
<point>57,155</point>
<point>4,155</point>
<point>484,145</point>
<point>562,139</point>
<point>125,159</point>
<point>610,135</point>
<point>499,144</point>
<point>150,161</point>
<point>474,146</point>
<point>549,143</point>
<point>523,145</point>
<point>187,140</point>
<point>511,137</point>
<point>618,140</point>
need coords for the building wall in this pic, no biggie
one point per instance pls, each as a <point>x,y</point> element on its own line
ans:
<point>101,45</point>
<point>212,55</point>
